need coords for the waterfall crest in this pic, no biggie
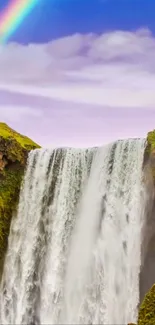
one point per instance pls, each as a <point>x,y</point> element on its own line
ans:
<point>74,251</point>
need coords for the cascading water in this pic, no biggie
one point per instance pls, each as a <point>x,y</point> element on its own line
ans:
<point>74,247</point>
<point>102,283</point>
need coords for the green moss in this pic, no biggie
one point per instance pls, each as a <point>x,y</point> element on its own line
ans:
<point>9,193</point>
<point>147,309</point>
<point>151,140</point>
<point>14,150</point>
<point>149,155</point>
<point>7,133</point>
<point>14,145</point>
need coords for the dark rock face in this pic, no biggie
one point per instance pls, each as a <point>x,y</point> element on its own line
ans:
<point>3,161</point>
<point>14,149</point>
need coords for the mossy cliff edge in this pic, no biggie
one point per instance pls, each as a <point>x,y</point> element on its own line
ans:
<point>149,155</point>
<point>14,149</point>
<point>147,308</point>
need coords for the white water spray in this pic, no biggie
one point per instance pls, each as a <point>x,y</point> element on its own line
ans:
<point>103,271</point>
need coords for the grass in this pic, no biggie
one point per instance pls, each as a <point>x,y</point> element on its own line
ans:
<point>7,133</point>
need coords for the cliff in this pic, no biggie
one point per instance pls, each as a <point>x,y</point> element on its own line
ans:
<point>149,156</point>
<point>147,309</point>
<point>14,149</point>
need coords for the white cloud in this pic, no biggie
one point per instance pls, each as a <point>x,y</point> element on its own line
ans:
<point>76,89</point>
<point>95,95</point>
<point>114,69</point>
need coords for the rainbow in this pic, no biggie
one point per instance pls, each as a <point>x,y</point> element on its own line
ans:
<point>13,15</point>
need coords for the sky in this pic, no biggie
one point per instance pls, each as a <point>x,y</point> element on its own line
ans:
<point>80,72</point>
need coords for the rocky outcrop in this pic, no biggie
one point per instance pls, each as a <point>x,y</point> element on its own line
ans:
<point>3,161</point>
<point>14,149</point>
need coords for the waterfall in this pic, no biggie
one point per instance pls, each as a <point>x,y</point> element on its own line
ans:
<point>74,251</point>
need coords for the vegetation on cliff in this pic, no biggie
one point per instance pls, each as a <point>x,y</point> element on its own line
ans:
<point>151,140</point>
<point>147,309</point>
<point>149,156</point>
<point>14,150</point>
<point>149,160</point>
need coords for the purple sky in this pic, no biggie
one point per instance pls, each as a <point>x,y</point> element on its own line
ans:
<point>81,90</point>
